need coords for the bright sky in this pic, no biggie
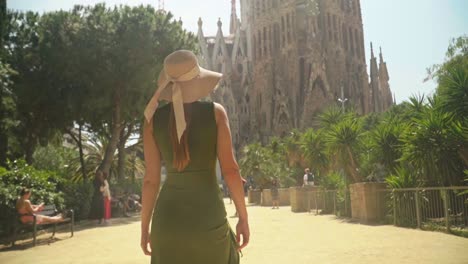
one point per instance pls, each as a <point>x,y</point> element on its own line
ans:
<point>414,34</point>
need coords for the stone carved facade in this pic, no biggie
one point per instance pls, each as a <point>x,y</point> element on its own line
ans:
<point>284,61</point>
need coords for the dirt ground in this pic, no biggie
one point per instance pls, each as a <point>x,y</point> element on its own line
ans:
<point>278,237</point>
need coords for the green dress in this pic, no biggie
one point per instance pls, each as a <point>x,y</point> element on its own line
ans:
<point>189,222</point>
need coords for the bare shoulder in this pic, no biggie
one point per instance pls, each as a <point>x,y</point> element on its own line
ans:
<point>220,112</point>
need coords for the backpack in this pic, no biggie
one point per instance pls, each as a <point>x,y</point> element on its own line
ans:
<point>310,176</point>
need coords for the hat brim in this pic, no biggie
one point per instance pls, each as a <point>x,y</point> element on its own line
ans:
<point>199,87</point>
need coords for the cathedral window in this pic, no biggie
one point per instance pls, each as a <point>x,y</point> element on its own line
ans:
<point>288,28</point>
<point>265,43</point>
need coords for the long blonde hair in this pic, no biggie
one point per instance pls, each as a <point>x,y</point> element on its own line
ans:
<point>180,150</point>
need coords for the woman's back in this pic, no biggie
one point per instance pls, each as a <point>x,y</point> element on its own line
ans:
<point>202,135</point>
<point>190,208</point>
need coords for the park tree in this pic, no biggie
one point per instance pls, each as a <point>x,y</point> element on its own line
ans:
<point>89,69</point>
<point>120,51</point>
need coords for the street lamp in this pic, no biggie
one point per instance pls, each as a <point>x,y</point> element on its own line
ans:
<point>342,100</point>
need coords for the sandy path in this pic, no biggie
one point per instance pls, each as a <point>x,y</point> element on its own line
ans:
<point>278,237</point>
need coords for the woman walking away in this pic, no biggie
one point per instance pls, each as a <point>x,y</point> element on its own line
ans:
<point>189,222</point>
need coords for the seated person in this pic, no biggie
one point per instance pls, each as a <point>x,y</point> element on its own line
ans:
<point>26,210</point>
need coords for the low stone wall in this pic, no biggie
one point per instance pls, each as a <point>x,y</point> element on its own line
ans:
<point>304,199</point>
<point>366,206</point>
<point>254,196</point>
<point>284,199</point>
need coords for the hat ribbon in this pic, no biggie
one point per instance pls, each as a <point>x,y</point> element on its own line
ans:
<point>177,99</point>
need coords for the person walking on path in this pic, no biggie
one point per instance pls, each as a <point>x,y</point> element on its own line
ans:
<point>97,203</point>
<point>275,193</point>
<point>107,199</point>
<point>189,135</point>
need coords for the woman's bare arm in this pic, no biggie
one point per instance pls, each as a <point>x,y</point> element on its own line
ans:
<point>231,173</point>
<point>151,182</point>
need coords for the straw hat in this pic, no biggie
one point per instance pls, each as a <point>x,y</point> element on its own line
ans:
<point>182,80</point>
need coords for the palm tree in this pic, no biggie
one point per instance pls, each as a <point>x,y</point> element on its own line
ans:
<point>331,116</point>
<point>314,150</point>
<point>94,151</point>
<point>432,146</point>
<point>385,143</point>
<point>292,147</point>
<point>344,143</point>
<point>453,92</point>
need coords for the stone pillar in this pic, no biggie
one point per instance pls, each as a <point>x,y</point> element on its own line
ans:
<point>254,196</point>
<point>304,198</point>
<point>366,205</point>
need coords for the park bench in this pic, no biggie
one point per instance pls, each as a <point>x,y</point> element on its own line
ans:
<point>49,210</point>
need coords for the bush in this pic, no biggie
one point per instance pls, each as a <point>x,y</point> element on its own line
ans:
<point>332,181</point>
<point>44,186</point>
<point>78,197</point>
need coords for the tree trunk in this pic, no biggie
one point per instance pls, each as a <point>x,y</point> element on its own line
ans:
<point>80,148</point>
<point>352,167</point>
<point>122,157</point>
<point>3,148</point>
<point>116,128</point>
<point>464,155</point>
<point>79,142</point>
<point>29,150</point>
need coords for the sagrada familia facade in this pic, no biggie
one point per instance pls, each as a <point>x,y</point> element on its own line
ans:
<point>284,61</point>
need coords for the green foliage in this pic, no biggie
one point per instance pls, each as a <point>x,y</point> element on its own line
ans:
<point>314,150</point>
<point>266,163</point>
<point>44,184</point>
<point>403,177</point>
<point>386,143</point>
<point>344,142</point>
<point>432,146</point>
<point>54,158</point>
<point>78,197</point>
<point>453,91</point>
<point>331,181</point>
<point>331,116</point>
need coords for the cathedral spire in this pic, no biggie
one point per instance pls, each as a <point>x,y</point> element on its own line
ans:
<point>380,55</point>
<point>233,25</point>
<point>375,83</point>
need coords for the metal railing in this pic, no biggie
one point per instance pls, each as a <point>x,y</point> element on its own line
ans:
<point>435,208</point>
<point>432,208</point>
